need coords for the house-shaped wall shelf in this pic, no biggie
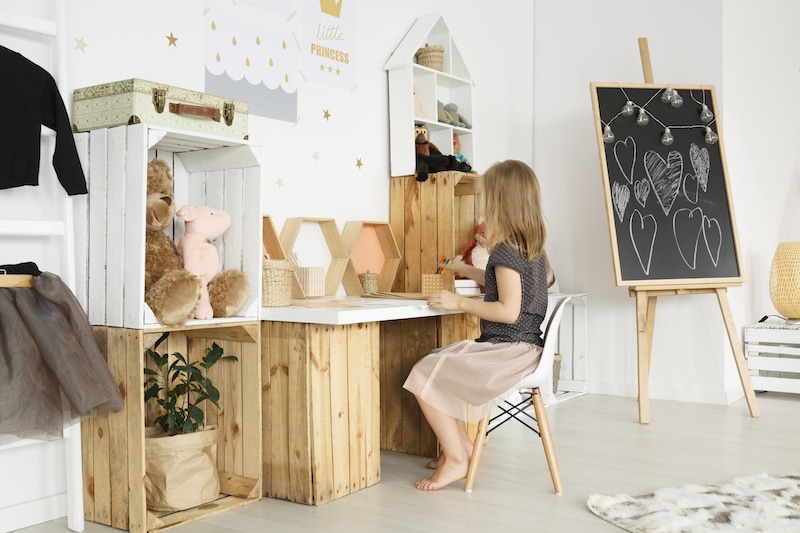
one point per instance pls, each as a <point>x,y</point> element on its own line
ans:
<point>453,84</point>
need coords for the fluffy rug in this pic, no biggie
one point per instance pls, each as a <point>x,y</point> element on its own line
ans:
<point>752,504</point>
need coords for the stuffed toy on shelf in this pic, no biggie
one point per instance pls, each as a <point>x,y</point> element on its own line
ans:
<point>429,158</point>
<point>170,290</point>
<point>223,292</point>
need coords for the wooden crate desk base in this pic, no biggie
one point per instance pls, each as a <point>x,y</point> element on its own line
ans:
<point>113,445</point>
<point>332,395</point>
<point>646,298</point>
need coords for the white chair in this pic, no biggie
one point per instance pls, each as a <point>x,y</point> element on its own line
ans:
<point>529,389</point>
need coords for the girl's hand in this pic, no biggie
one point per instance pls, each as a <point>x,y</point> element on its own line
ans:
<point>445,300</point>
<point>455,265</point>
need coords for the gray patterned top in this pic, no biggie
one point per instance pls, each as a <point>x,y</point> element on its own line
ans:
<point>527,328</point>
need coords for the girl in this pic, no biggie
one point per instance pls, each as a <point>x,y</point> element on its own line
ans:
<point>463,381</point>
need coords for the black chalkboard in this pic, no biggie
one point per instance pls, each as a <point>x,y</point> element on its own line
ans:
<point>669,208</point>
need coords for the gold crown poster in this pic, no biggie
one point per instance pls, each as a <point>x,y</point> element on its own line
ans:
<point>330,41</point>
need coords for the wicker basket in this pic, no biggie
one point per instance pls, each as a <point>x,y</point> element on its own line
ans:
<point>784,280</point>
<point>276,287</point>
<point>556,371</point>
<point>369,282</point>
<point>431,56</point>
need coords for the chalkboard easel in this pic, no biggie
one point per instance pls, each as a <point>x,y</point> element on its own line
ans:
<point>671,220</point>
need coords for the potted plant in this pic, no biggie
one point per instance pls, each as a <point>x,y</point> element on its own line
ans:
<point>180,452</point>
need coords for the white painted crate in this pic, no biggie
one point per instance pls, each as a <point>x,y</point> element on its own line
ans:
<point>772,350</point>
<point>208,170</point>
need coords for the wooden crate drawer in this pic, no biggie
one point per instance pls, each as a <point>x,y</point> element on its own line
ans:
<point>113,445</point>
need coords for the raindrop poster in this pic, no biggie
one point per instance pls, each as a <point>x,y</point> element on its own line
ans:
<point>252,64</point>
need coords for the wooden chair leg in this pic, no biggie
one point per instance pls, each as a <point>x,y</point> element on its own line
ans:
<point>477,449</point>
<point>547,439</point>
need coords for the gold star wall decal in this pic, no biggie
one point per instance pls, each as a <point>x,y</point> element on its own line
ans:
<point>315,157</point>
<point>326,114</point>
<point>173,41</point>
<point>359,164</point>
<point>81,45</point>
<point>279,182</point>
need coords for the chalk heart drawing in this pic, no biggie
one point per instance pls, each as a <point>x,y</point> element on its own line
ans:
<point>620,195</point>
<point>643,237</point>
<point>641,190</point>
<point>689,226</point>
<point>691,188</point>
<point>665,176</point>
<point>701,163</point>
<point>625,154</point>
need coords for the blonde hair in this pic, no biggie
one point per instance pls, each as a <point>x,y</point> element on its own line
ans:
<point>512,208</point>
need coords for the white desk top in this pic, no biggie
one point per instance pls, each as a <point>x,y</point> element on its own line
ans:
<point>353,310</point>
<point>350,310</point>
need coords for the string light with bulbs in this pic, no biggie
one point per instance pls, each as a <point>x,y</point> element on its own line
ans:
<point>671,97</point>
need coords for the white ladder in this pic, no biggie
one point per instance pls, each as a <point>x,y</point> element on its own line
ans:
<point>63,228</point>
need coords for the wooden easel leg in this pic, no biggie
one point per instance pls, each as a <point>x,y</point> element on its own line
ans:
<point>741,364</point>
<point>645,322</point>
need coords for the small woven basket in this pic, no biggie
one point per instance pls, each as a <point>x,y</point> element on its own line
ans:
<point>431,56</point>
<point>276,287</point>
<point>784,280</point>
<point>369,282</point>
<point>556,371</point>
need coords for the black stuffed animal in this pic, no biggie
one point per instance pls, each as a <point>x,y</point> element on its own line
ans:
<point>430,159</point>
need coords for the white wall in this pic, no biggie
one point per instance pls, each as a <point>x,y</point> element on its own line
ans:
<point>749,52</point>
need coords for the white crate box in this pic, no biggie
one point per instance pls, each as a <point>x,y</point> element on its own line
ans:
<point>772,350</point>
<point>208,170</point>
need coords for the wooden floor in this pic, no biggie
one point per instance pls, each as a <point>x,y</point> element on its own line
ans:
<point>601,449</point>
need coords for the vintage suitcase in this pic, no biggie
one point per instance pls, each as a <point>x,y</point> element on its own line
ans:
<point>133,101</point>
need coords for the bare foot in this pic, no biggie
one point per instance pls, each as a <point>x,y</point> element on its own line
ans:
<point>436,462</point>
<point>448,472</point>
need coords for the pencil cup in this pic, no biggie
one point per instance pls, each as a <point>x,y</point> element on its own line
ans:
<point>312,280</point>
<point>432,283</point>
<point>369,282</point>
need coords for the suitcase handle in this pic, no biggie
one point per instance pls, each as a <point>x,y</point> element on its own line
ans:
<point>195,110</point>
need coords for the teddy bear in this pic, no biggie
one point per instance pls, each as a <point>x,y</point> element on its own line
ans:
<point>170,290</point>
<point>456,118</point>
<point>476,252</point>
<point>429,158</point>
<point>222,292</point>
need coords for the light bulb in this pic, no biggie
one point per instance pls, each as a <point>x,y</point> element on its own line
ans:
<point>666,96</point>
<point>667,138</point>
<point>677,100</point>
<point>711,137</point>
<point>706,115</point>
<point>627,109</point>
<point>642,119</point>
<point>608,135</point>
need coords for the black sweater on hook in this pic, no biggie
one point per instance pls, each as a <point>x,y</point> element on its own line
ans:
<point>29,98</point>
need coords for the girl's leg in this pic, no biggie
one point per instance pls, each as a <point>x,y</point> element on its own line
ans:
<point>455,458</point>
<point>466,442</point>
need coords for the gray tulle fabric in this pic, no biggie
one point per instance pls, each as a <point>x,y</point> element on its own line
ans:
<point>51,367</point>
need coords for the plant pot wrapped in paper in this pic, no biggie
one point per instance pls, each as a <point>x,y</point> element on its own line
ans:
<point>180,456</point>
<point>180,470</point>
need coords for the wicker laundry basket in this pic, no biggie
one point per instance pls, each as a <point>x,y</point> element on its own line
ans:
<point>276,286</point>
<point>431,56</point>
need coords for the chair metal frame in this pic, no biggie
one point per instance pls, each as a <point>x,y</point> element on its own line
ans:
<point>540,377</point>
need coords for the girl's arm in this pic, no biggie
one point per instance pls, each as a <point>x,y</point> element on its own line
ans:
<point>505,310</point>
<point>463,270</point>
